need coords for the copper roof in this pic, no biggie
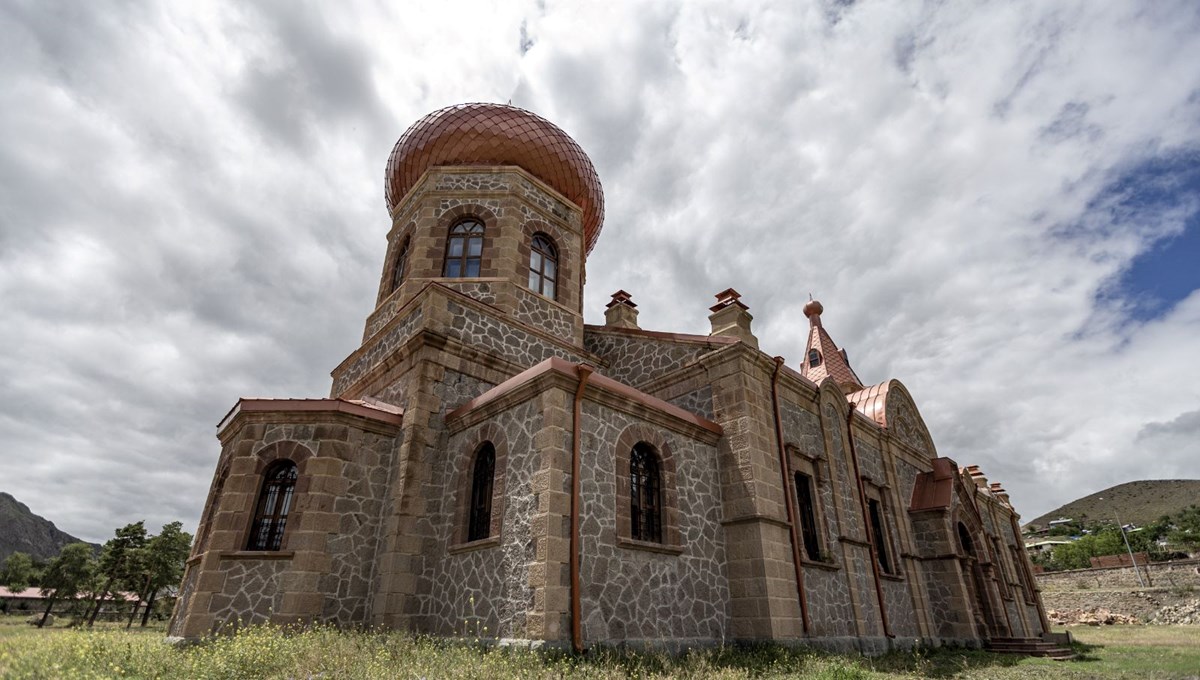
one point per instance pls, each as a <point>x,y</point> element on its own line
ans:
<point>833,361</point>
<point>497,134</point>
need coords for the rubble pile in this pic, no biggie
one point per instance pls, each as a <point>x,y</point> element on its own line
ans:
<point>1185,613</point>
<point>1089,617</point>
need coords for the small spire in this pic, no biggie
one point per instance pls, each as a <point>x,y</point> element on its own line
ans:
<point>823,358</point>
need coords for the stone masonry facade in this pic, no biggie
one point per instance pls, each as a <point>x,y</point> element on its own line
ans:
<point>721,494</point>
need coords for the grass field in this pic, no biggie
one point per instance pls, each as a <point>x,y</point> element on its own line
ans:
<point>112,652</point>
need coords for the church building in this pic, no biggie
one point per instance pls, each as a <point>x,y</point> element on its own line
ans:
<point>488,465</point>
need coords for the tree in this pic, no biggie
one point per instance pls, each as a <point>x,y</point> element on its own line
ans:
<point>66,575</point>
<point>119,562</point>
<point>18,572</point>
<point>1185,529</point>
<point>161,563</point>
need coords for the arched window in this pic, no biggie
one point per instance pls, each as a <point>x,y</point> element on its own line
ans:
<point>543,266</point>
<point>401,263</point>
<point>645,484</point>
<point>814,358</point>
<point>482,476</point>
<point>274,503</point>
<point>464,249</point>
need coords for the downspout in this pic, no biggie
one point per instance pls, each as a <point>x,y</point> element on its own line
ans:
<point>584,372</point>
<point>862,501</point>
<point>788,500</point>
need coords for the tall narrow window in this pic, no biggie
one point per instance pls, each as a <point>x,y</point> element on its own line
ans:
<point>401,263</point>
<point>464,249</point>
<point>543,266</point>
<point>808,516</point>
<point>814,358</point>
<point>274,503</point>
<point>644,489</point>
<point>881,552</point>
<point>482,476</point>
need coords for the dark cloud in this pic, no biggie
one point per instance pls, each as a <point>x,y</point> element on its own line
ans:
<point>191,211</point>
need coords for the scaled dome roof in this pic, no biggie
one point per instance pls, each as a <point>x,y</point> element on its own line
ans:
<point>497,134</point>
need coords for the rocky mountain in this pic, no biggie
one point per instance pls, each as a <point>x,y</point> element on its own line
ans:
<point>1139,503</point>
<point>23,531</point>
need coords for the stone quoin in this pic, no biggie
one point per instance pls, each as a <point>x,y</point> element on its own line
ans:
<point>488,465</point>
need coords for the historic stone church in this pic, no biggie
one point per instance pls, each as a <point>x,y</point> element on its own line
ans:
<point>489,465</point>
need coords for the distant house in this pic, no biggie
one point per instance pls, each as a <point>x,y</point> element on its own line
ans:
<point>1060,521</point>
<point>32,598</point>
<point>1045,545</point>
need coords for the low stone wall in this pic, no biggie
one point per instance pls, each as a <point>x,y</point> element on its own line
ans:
<point>1117,590</point>
<point>1179,574</point>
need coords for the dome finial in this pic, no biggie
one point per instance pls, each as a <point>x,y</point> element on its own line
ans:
<point>813,310</point>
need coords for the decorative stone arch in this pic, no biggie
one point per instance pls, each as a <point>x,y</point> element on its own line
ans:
<point>904,420</point>
<point>396,238</point>
<point>204,531</point>
<point>965,520</point>
<point>298,454</point>
<point>491,230</point>
<point>661,445</point>
<point>569,258</point>
<point>464,467</point>
<point>834,411</point>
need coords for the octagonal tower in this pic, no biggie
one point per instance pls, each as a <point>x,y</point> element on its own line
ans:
<point>498,204</point>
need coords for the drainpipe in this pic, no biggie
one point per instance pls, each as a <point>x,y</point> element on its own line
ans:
<point>788,500</point>
<point>584,372</point>
<point>862,501</point>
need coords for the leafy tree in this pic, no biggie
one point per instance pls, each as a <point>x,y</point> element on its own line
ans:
<point>18,573</point>
<point>1185,529</point>
<point>160,563</point>
<point>66,575</point>
<point>119,562</point>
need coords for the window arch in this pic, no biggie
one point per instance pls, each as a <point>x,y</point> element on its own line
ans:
<point>645,494</point>
<point>464,249</point>
<point>274,504</point>
<point>482,478</point>
<point>543,266</point>
<point>814,358</point>
<point>401,263</point>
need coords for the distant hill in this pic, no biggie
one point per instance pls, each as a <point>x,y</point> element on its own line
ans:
<point>23,531</point>
<point>1139,503</point>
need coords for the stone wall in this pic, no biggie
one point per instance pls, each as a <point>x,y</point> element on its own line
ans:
<point>536,310</point>
<point>636,360</point>
<point>490,334</point>
<point>378,350</point>
<point>1180,574</point>
<point>635,594</point>
<point>484,591</point>
<point>251,593</point>
<point>698,401</point>
<point>324,569</point>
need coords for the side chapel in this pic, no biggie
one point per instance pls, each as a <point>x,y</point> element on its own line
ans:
<point>487,464</point>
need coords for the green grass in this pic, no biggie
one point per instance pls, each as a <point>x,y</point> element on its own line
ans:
<point>112,652</point>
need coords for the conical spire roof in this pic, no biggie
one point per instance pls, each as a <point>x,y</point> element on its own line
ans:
<point>822,358</point>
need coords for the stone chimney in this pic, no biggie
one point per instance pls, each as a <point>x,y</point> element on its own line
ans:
<point>621,312</point>
<point>730,318</point>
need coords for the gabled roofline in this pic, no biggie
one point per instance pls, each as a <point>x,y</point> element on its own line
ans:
<point>562,367</point>
<point>373,410</point>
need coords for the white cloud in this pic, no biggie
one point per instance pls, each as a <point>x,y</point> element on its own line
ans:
<point>193,211</point>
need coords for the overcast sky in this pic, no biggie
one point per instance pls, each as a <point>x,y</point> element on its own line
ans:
<point>997,203</point>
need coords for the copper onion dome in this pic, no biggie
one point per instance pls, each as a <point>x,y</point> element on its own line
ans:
<point>496,134</point>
